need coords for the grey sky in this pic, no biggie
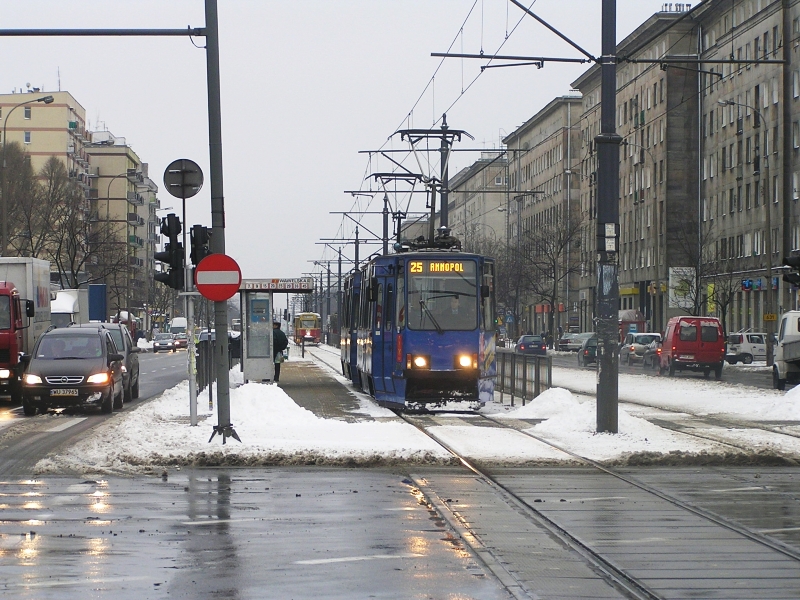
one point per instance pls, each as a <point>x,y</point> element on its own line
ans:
<point>305,86</point>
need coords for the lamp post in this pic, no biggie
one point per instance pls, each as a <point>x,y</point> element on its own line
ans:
<point>4,203</point>
<point>768,299</point>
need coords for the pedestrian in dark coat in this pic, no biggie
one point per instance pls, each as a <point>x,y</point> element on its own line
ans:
<point>279,344</point>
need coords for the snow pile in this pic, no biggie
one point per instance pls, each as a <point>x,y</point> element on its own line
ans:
<point>144,344</point>
<point>274,430</point>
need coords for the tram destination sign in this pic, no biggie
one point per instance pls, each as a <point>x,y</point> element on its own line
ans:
<point>300,285</point>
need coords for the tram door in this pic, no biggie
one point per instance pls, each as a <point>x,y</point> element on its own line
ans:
<point>384,336</point>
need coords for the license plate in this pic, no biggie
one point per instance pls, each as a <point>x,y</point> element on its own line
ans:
<point>687,357</point>
<point>64,392</point>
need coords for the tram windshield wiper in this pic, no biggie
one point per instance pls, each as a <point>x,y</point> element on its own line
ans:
<point>428,312</point>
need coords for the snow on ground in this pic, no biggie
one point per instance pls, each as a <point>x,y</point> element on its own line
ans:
<point>276,431</point>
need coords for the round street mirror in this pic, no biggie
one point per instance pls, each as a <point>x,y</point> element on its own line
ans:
<point>183,178</point>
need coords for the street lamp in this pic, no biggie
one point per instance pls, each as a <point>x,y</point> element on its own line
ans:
<point>4,203</point>
<point>768,300</point>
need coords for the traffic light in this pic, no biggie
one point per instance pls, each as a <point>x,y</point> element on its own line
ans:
<point>172,254</point>
<point>200,240</point>
<point>794,263</point>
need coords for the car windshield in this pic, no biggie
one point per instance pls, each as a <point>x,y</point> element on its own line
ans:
<point>530,339</point>
<point>161,337</point>
<point>646,339</point>
<point>69,347</point>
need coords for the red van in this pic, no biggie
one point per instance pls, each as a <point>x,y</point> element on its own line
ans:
<point>693,344</point>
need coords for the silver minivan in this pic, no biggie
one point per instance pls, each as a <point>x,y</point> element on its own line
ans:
<point>746,347</point>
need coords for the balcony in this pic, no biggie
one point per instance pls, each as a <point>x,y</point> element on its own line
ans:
<point>135,219</point>
<point>135,240</point>
<point>135,262</point>
<point>135,199</point>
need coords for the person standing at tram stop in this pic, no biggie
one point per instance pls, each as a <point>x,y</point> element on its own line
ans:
<point>279,344</point>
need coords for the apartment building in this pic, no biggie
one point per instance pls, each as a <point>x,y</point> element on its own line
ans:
<point>544,153</point>
<point>658,205</point>
<point>123,202</point>
<point>477,201</point>
<point>750,140</point>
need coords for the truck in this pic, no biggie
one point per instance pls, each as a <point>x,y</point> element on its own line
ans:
<point>786,366</point>
<point>178,325</point>
<point>24,295</point>
<point>70,307</point>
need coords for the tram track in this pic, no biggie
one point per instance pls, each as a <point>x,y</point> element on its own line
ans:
<point>624,579</point>
<point>632,586</point>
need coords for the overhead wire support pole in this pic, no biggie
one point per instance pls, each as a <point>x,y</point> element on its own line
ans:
<point>607,310</point>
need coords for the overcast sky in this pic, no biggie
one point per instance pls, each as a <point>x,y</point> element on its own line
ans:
<point>306,85</point>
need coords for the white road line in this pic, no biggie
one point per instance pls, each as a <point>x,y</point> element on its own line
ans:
<point>325,561</point>
<point>66,424</point>
<point>215,521</point>
<point>779,530</point>
<point>758,488</point>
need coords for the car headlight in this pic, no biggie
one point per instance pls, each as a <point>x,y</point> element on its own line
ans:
<point>5,373</point>
<point>32,379</point>
<point>98,378</point>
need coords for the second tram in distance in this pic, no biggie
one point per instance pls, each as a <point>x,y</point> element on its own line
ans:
<point>418,329</point>
<point>308,328</point>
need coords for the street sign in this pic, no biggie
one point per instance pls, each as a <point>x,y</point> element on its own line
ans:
<point>218,277</point>
<point>183,178</point>
<point>301,285</point>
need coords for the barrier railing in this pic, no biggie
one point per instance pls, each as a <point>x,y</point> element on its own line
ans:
<point>523,376</point>
<point>206,372</point>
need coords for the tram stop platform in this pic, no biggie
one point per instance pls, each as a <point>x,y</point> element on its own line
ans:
<point>314,389</point>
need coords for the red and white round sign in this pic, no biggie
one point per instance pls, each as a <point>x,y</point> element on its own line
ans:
<point>218,277</point>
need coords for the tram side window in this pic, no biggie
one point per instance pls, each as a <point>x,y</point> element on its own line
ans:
<point>487,303</point>
<point>389,307</point>
<point>401,302</point>
<point>379,309</point>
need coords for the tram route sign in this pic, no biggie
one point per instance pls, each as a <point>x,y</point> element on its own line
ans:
<point>294,285</point>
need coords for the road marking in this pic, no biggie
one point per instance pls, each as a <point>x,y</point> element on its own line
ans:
<point>759,488</point>
<point>779,530</point>
<point>325,561</point>
<point>215,521</point>
<point>66,424</point>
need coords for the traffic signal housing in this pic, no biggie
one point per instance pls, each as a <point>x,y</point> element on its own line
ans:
<point>200,241</point>
<point>172,255</point>
<point>794,263</point>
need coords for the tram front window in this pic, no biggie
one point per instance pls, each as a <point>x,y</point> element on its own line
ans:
<point>442,295</point>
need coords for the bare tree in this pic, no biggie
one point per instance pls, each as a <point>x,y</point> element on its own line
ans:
<point>551,258</point>
<point>21,187</point>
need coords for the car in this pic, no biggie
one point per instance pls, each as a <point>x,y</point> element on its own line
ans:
<point>694,344</point>
<point>633,346</point>
<point>130,352</point>
<point>73,366</point>
<point>588,353</point>
<point>163,341</point>
<point>746,347</point>
<point>531,344</point>
<point>181,340</point>
<point>651,359</point>
<point>572,342</point>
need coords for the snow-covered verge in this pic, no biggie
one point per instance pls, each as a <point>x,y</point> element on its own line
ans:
<point>275,431</point>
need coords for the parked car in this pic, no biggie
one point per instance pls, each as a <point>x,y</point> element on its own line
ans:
<point>651,359</point>
<point>634,344</point>
<point>531,344</point>
<point>694,344</point>
<point>130,353</point>
<point>588,353</point>
<point>164,341</point>
<point>574,342</point>
<point>181,340</point>
<point>746,347</point>
<point>73,366</point>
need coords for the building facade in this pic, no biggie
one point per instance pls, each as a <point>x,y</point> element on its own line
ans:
<point>543,158</point>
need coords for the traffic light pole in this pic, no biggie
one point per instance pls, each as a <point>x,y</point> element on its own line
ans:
<point>188,303</point>
<point>224,426</point>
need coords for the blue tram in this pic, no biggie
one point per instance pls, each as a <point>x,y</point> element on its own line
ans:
<point>419,329</point>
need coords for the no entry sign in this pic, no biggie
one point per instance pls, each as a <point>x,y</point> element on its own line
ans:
<point>218,277</point>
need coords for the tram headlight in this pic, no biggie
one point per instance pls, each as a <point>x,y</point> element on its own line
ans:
<point>418,361</point>
<point>466,361</point>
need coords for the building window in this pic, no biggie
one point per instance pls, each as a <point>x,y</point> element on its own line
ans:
<point>27,137</point>
<point>27,112</point>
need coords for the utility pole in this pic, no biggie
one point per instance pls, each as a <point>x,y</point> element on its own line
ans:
<point>608,142</point>
<point>444,159</point>
<point>385,224</point>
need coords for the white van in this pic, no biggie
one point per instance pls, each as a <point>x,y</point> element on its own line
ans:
<point>746,347</point>
<point>178,325</point>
